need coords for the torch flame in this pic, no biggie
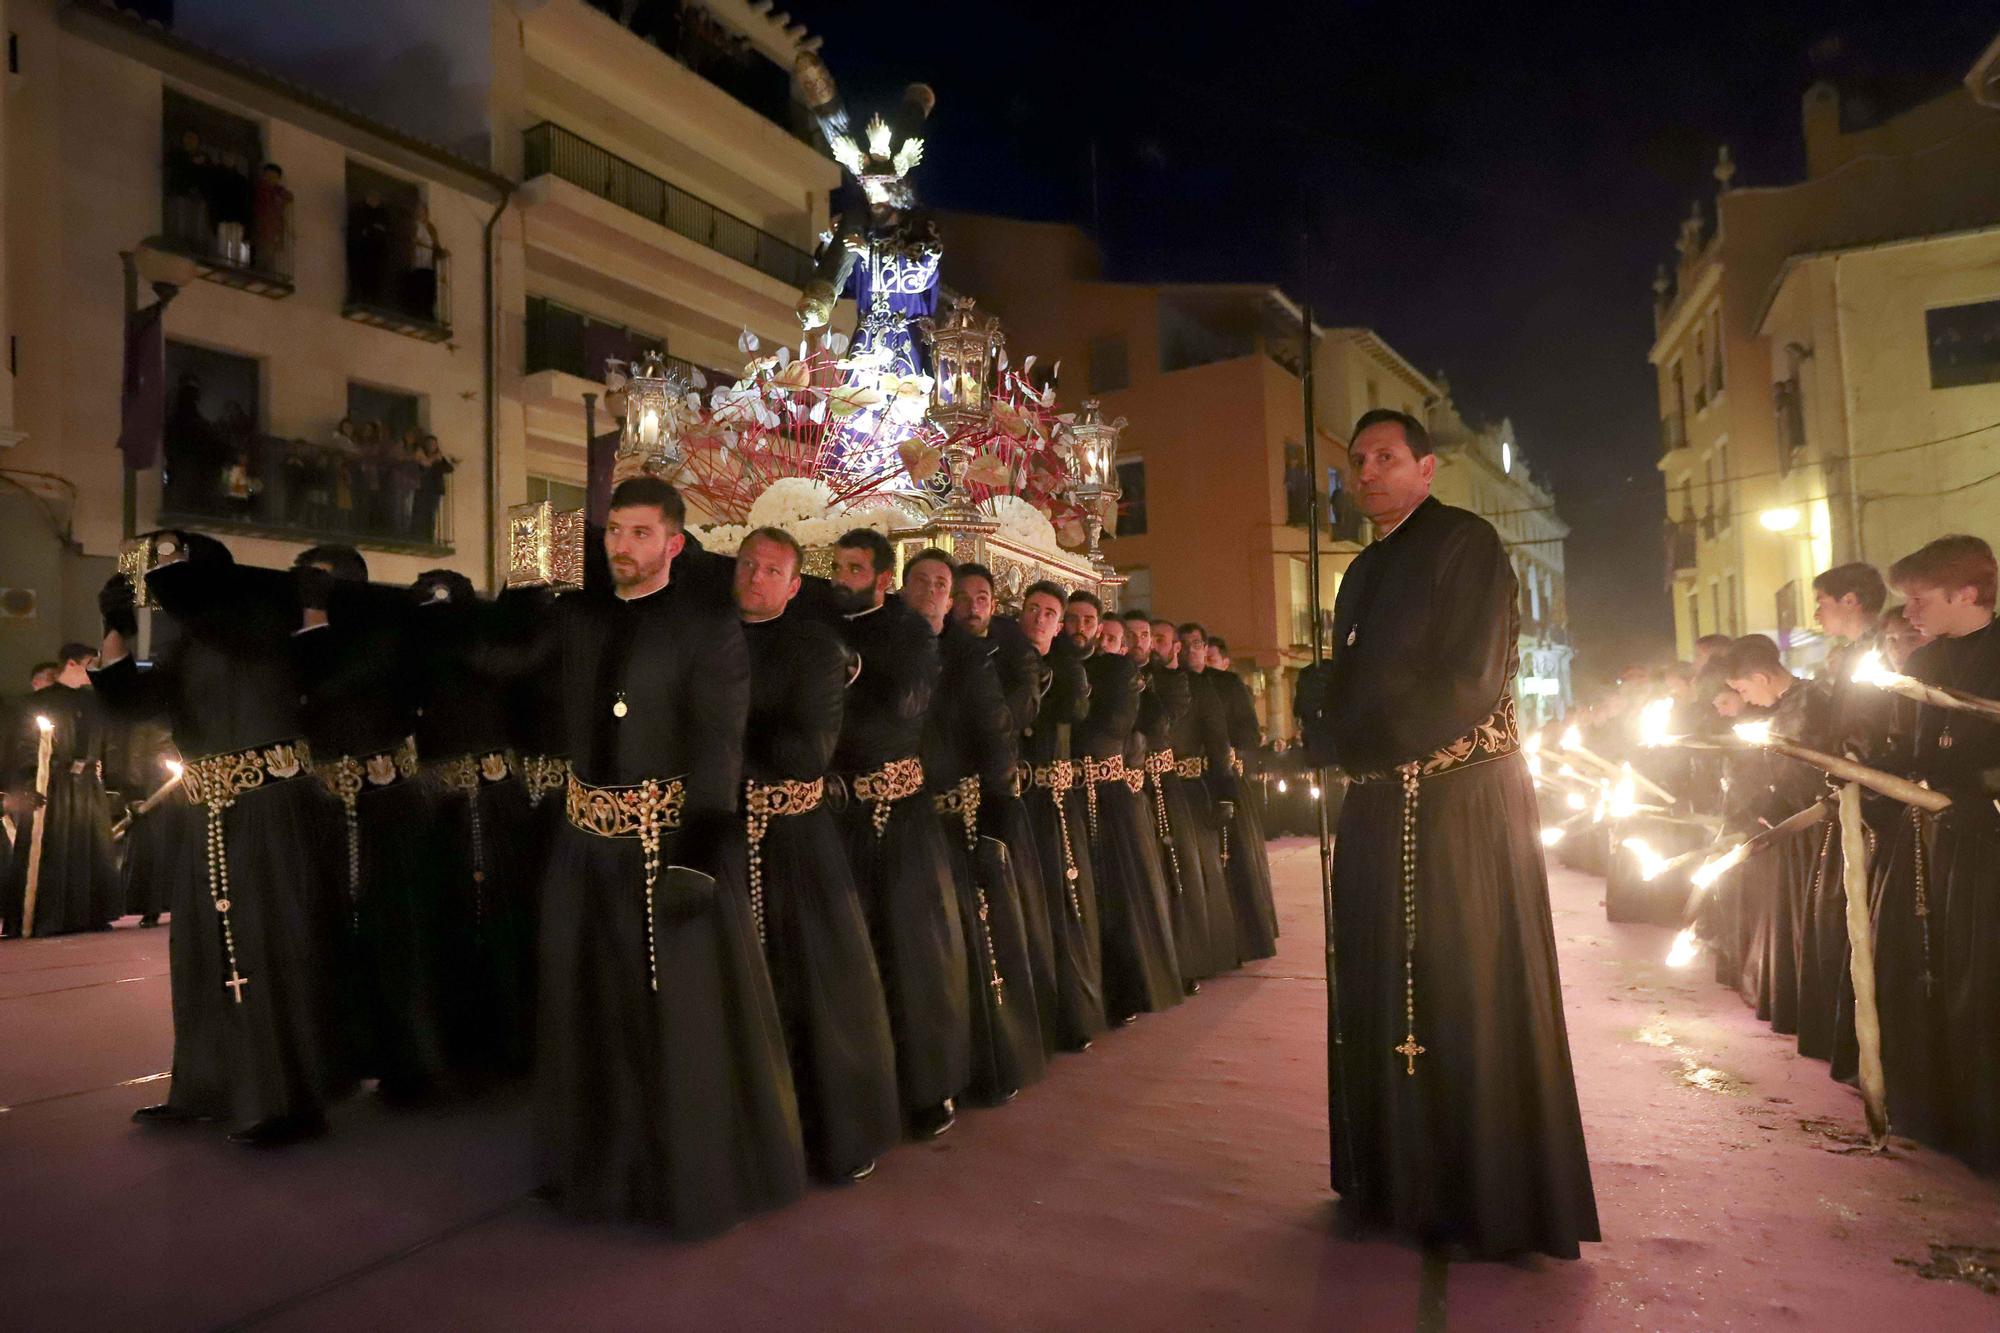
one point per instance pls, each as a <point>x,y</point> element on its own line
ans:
<point>1315,791</point>
<point>1282,787</point>
<point>1553,834</point>
<point>1575,800</point>
<point>1717,866</point>
<point>1755,733</point>
<point>1685,950</point>
<point>1651,863</point>
<point>174,768</point>
<point>1533,743</point>
<point>1572,737</point>
<point>1872,669</point>
<point>1624,797</point>
<point>1654,720</point>
<point>1534,766</point>
<point>44,724</point>
<point>1569,771</point>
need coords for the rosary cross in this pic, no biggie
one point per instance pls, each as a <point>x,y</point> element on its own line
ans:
<point>1409,1050</point>
<point>236,983</point>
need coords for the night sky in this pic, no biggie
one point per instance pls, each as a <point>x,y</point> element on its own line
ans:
<point>1489,186</point>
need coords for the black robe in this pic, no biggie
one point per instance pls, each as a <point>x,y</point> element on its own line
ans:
<point>1141,968</point>
<point>671,1102</point>
<point>823,973</point>
<point>1483,1145</point>
<point>1163,706</point>
<point>1004,814</point>
<point>1192,740</point>
<point>1244,863</point>
<point>227,682</point>
<point>1246,743</point>
<point>1062,836</point>
<point>903,868</point>
<point>77,883</point>
<point>968,733</point>
<point>360,705</point>
<point>149,840</point>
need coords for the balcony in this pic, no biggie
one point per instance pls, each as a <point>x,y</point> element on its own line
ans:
<point>196,222</point>
<point>1681,547</point>
<point>295,490</point>
<point>572,343</point>
<point>688,34</point>
<point>398,293</point>
<point>1302,627</point>
<point>1673,434</point>
<point>550,150</point>
<point>1344,522</point>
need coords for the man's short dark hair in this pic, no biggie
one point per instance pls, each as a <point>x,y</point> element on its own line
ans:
<point>1219,645</point>
<point>661,495</point>
<point>1192,627</point>
<point>39,667</point>
<point>1948,564</point>
<point>344,561</point>
<point>938,554</point>
<point>1714,643</point>
<point>1044,588</point>
<point>779,537</point>
<point>881,556</point>
<point>1135,613</point>
<point>1088,598</point>
<point>1418,438</point>
<point>1752,655</point>
<point>972,569</point>
<point>1857,577</point>
<point>75,652</point>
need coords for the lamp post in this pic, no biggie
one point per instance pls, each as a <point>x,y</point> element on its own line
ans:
<point>1090,449</point>
<point>965,355</point>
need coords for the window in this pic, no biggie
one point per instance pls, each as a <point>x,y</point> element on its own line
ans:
<point>1700,367</point>
<point>214,465</point>
<point>216,203</point>
<point>1694,615</point>
<point>1964,344</point>
<point>1108,364</point>
<point>1724,501</point>
<point>1788,613</point>
<point>1298,486</point>
<point>1677,382</point>
<point>1132,498</point>
<point>1374,395</point>
<point>1729,603</point>
<point>395,257</point>
<point>1715,605</point>
<point>560,338</point>
<point>1789,408</point>
<point>1715,354</point>
<point>562,494</point>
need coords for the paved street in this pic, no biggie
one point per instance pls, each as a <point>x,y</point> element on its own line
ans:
<point>1173,1177</point>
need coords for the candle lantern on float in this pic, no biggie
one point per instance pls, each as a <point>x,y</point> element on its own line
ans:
<point>1089,446</point>
<point>654,399</point>
<point>965,357</point>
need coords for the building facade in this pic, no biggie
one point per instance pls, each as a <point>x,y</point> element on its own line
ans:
<point>1801,423</point>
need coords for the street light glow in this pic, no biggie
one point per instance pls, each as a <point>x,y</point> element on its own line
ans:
<point>1782,519</point>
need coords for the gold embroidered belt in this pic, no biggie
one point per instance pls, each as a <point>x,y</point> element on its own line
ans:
<point>762,803</point>
<point>1192,768</point>
<point>1056,776</point>
<point>962,800</point>
<point>1495,738</point>
<point>214,783</point>
<point>345,778</point>
<point>897,780</point>
<point>543,775</point>
<point>467,771</point>
<point>1158,764</point>
<point>643,811</point>
<point>1091,772</point>
<point>1161,762</point>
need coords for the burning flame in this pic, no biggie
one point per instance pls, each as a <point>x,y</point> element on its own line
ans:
<point>1282,788</point>
<point>173,767</point>
<point>1717,866</point>
<point>1872,669</point>
<point>1685,949</point>
<point>1569,771</point>
<point>1755,733</point>
<point>1553,834</point>
<point>1534,766</point>
<point>1572,738</point>
<point>1575,800</point>
<point>1654,720</point>
<point>1624,797</point>
<point>1651,863</point>
<point>1533,744</point>
<point>1315,791</point>
<point>44,724</point>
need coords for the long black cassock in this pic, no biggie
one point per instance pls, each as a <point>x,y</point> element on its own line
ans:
<point>1779,788</point>
<point>662,1086</point>
<point>360,711</point>
<point>967,750</point>
<point>1141,969</point>
<point>1003,812</point>
<point>1246,746</point>
<point>1062,836</point>
<point>822,965</point>
<point>254,897</point>
<point>898,852</point>
<point>1244,861</point>
<point>76,884</point>
<point>1475,1139</point>
<point>1937,919</point>
<point>1162,705</point>
<point>1203,823</point>
<point>152,838</point>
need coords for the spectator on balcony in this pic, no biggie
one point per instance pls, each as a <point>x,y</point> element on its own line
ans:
<point>240,479</point>
<point>187,174</point>
<point>435,467</point>
<point>270,221</point>
<point>338,463</point>
<point>230,200</point>
<point>404,469</point>
<point>420,279</point>
<point>195,456</point>
<point>370,240</point>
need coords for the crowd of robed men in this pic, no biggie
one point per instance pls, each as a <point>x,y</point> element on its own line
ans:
<point>759,874</point>
<point>1775,926</point>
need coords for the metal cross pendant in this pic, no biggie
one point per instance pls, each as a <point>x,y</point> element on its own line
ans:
<point>236,983</point>
<point>1409,1050</point>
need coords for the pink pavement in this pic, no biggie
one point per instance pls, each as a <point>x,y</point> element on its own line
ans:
<point>1172,1177</point>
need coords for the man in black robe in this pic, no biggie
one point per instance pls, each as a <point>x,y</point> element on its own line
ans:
<point>662,1087</point>
<point>1194,732</point>
<point>802,893</point>
<point>69,863</point>
<point>1246,735</point>
<point>1141,967</point>
<point>360,714</point>
<point>1003,811</point>
<point>1056,810</point>
<point>967,750</point>
<point>252,900</point>
<point>1164,704</point>
<point>1244,864</point>
<point>894,842</point>
<point>1937,917</point>
<point>1454,1108</point>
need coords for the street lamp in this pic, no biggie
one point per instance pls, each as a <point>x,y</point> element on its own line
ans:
<point>1090,454</point>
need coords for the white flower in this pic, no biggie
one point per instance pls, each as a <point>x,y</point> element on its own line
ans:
<point>722,538</point>
<point>789,501</point>
<point>1022,523</point>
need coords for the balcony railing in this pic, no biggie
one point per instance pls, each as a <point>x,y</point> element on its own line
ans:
<point>1302,621</point>
<point>1673,433</point>
<point>550,150</point>
<point>401,292</point>
<point>296,490</point>
<point>1681,546</point>
<point>204,221</point>
<point>1344,521</point>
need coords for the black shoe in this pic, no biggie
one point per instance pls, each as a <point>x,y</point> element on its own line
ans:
<point>149,922</point>
<point>280,1131</point>
<point>1193,989</point>
<point>858,1174</point>
<point>165,1113</point>
<point>1128,1020</point>
<point>934,1120</point>
<point>1082,1046</point>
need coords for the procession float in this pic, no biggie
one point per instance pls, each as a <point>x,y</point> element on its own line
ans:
<point>917,424</point>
